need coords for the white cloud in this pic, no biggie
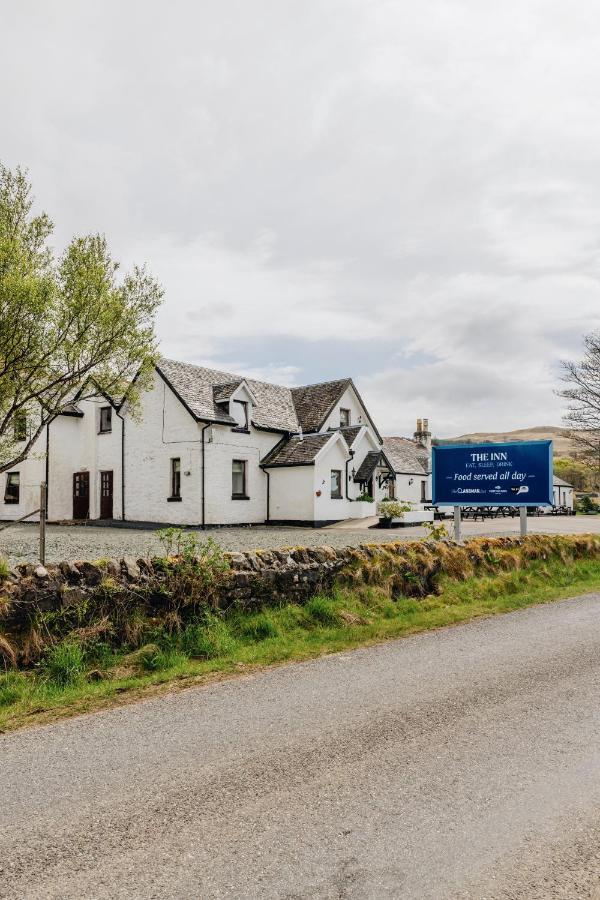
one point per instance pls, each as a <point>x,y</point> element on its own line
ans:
<point>417,180</point>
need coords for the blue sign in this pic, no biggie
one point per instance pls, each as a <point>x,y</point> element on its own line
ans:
<point>511,474</point>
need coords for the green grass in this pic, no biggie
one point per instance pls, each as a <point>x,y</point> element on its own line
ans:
<point>72,680</point>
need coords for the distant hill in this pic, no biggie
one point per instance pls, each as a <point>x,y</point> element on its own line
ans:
<point>562,445</point>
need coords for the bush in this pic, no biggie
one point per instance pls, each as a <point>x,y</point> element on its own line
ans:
<point>12,687</point>
<point>587,506</point>
<point>323,611</point>
<point>65,664</point>
<point>259,627</point>
<point>365,497</point>
<point>392,509</point>
<point>207,640</point>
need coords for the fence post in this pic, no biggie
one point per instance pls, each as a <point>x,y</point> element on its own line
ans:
<point>43,511</point>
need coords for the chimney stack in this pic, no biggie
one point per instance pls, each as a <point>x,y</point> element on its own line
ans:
<point>422,435</point>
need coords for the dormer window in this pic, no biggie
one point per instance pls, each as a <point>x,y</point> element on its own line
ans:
<point>241,415</point>
<point>105,419</point>
<point>344,418</point>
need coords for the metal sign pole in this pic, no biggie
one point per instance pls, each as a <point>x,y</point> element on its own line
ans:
<point>43,523</point>
<point>523,517</point>
<point>457,524</point>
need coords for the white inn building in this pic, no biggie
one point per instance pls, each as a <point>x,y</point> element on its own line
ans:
<point>209,448</point>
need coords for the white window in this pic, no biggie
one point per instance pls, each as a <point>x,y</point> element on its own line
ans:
<point>105,419</point>
<point>336,484</point>
<point>12,488</point>
<point>175,479</point>
<point>238,479</point>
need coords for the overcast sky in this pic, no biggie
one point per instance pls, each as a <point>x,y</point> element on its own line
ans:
<point>407,193</point>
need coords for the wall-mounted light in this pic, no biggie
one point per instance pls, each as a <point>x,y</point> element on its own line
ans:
<point>411,481</point>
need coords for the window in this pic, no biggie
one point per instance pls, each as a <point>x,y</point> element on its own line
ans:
<point>175,479</point>
<point>238,479</point>
<point>243,426</point>
<point>105,419</point>
<point>12,488</point>
<point>423,491</point>
<point>336,484</point>
<point>20,427</point>
<point>344,418</point>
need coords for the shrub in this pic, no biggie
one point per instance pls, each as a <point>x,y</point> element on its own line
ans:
<point>64,664</point>
<point>12,687</point>
<point>365,497</point>
<point>323,611</point>
<point>435,532</point>
<point>194,571</point>
<point>259,627</point>
<point>392,509</point>
<point>587,506</point>
<point>208,639</point>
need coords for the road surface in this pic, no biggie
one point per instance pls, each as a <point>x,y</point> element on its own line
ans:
<point>463,763</point>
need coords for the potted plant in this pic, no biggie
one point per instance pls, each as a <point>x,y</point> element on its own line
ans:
<point>388,510</point>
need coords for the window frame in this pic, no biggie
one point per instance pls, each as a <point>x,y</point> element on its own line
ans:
<point>16,499</point>
<point>101,429</point>
<point>175,479</point>
<point>346,414</point>
<point>236,495</point>
<point>336,496</point>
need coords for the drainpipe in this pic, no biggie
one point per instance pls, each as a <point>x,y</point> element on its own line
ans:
<point>268,474</point>
<point>47,475</point>
<point>203,477</point>
<point>349,460</point>
<point>122,418</point>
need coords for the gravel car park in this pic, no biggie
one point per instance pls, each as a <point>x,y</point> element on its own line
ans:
<point>19,543</point>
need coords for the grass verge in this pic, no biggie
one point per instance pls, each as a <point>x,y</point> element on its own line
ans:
<point>71,683</point>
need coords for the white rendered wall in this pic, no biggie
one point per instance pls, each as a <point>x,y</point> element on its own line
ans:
<point>348,400</point>
<point>334,456</point>
<point>163,429</point>
<point>32,472</point>
<point>221,448</point>
<point>292,494</point>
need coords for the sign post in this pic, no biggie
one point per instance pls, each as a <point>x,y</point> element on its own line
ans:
<point>457,524</point>
<point>511,474</point>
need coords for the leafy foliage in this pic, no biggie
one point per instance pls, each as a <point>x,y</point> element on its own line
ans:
<point>392,509</point>
<point>65,664</point>
<point>68,326</point>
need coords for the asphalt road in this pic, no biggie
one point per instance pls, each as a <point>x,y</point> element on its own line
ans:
<point>463,763</point>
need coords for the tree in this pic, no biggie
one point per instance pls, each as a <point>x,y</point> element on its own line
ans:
<point>68,326</point>
<point>583,393</point>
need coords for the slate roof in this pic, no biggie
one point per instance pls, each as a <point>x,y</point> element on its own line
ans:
<point>406,456</point>
<point>373,459</point>
<point>296,450</point>
<point>314,402</point>
<point>350,433</point>
<point>222,392</point>
<point>274,408</point>
<point>559,482</point>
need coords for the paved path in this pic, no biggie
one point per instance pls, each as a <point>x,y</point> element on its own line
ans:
<point>20,542</point>
<point>460,763</point>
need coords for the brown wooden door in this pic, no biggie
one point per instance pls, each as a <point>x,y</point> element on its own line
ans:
<point>106,495</point>
<point>81,495</point>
